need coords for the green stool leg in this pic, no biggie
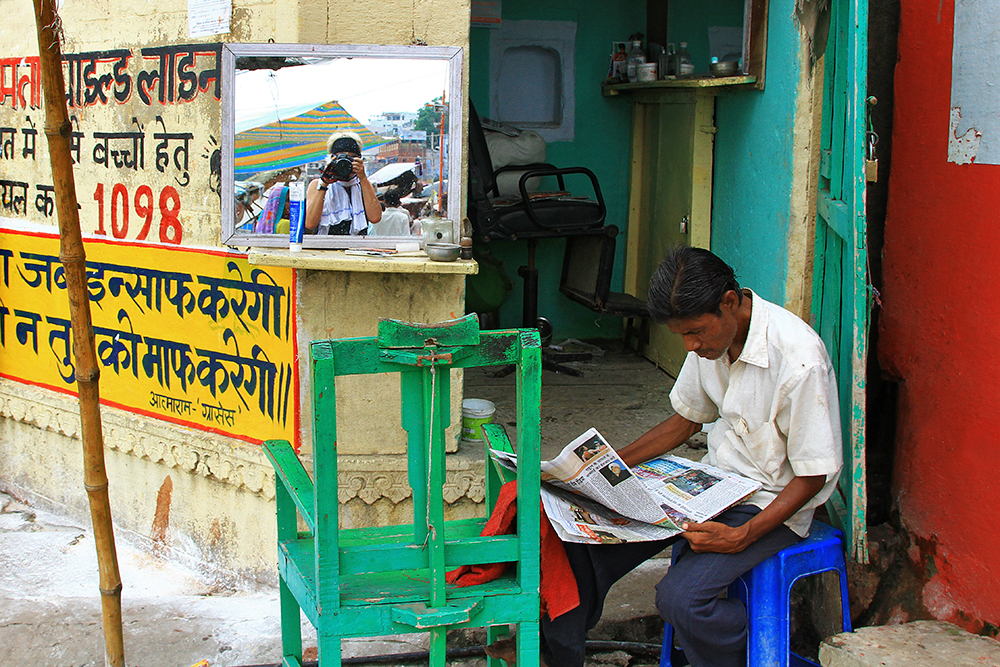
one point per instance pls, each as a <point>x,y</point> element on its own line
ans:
<point>495,633</point>
<point>329,650</point>
<point>439,646</point>
<point>291,615</point>
<point>527,643</point>
<point>291,627</point>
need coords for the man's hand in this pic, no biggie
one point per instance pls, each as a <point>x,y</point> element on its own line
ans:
<point>712,536</point>
<point>715,537</point>
<point>359,169</point>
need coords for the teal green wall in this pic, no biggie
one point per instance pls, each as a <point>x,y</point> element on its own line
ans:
<point>688,22</point>
<point>752,180</point>
<point>601,143</point>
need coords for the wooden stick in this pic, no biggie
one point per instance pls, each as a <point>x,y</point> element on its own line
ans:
<point>73,258</point>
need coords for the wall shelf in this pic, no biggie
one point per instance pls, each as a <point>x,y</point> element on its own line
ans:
<point>743,81</point>
<point>337,260</point>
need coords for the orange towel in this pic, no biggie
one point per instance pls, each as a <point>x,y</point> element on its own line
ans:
<point>559,593</point>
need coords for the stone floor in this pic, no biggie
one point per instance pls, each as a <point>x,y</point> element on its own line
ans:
<point>620,394</point>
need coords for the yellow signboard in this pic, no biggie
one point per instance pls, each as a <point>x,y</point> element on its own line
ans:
<point>194,337</point>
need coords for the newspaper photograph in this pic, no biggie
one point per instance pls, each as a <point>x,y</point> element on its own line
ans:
<point>591,496</point>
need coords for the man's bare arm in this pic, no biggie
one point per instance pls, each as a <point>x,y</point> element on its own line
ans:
<point>659,440</point>
<point>719,538</point>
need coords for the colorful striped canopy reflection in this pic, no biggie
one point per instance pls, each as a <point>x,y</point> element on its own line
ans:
<point>296,141</point>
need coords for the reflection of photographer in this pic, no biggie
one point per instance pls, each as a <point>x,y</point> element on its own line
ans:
<point>342,201</point>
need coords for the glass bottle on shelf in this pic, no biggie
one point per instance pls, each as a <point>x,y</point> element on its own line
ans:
<point>684,65</point>
<point>636,57</point>
<point>668,65</point>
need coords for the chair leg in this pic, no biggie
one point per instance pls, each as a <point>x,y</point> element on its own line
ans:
<point>527,643</point>
<point>329,650</point>
<point>291,626</point>
<point>767,630</point>
<point>495,633</point>
<point>667,650</point>
<point>629,331</point>
<point>845,603</point>
<point>439,647</point>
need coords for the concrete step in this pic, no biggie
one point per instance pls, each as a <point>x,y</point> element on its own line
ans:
<point>915,644</point>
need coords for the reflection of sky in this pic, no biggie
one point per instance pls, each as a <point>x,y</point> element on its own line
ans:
<point>365,87</point>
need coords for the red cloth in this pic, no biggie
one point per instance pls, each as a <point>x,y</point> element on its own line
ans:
<point>559,593</point>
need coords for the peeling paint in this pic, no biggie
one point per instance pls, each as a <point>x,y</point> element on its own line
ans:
<point>962,149</point>
<point>161,518</point>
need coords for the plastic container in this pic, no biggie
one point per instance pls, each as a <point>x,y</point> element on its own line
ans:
<point>647,71</point>
<point>475,413</point>
<point>296,215</point>
<point>636,57</point>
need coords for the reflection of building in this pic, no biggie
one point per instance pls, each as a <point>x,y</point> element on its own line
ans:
<point>410,146</point>
<point>392,122</point>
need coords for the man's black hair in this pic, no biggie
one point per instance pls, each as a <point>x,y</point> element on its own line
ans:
<point>345,145</point>
<point>391,199</point>
<point>689,282</point>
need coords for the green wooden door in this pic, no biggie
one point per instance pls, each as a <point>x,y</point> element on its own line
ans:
<point>840,304</point>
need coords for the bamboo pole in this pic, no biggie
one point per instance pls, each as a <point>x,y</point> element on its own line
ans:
<point>74,261</point>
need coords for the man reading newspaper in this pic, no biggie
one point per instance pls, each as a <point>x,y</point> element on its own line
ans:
<point>764,377</point>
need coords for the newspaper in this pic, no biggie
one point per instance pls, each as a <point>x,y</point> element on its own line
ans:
<point>591,496</point>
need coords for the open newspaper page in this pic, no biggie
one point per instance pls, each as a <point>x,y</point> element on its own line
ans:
<point>575,518</point>
<point>689,490</point>
<point>589,466</point>
<point>591,496</point>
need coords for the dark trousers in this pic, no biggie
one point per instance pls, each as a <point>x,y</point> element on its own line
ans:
<point>712,631</point>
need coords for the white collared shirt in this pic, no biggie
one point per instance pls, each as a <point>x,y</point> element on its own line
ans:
<point>776,406</point>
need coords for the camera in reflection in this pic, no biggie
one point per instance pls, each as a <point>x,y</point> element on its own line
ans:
<point>339,168</point>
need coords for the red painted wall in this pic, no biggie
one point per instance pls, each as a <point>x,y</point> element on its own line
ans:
<point>941,331</point>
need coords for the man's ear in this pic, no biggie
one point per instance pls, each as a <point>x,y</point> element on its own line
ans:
<point>730,301</point>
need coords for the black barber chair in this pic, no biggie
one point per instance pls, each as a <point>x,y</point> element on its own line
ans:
<point>529,216</point>
<point>586,279</point>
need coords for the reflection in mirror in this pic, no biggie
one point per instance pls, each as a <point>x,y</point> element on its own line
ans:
<point>374,131</point>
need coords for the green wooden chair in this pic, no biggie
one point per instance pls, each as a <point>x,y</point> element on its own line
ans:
<point>368,582</point>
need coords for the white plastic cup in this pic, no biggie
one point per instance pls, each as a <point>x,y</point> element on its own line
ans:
<point>475,413</point>
<point>646,72</point>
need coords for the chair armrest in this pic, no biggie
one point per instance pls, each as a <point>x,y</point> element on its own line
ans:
<point>496,438</point>
<point>520,167</point>
<point>293,477</point>
<point>559,173</point>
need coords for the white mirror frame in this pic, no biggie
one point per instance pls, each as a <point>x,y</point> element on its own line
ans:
<point>230,52</point>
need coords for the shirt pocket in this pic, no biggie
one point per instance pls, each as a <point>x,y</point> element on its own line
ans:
<point>764,447</point>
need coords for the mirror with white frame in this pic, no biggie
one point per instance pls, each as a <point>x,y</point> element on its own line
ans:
<point>281,104</point>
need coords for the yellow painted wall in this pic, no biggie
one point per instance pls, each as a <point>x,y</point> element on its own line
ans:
<point>222,488</point>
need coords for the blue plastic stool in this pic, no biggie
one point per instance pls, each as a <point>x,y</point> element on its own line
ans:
<point>765,591</point>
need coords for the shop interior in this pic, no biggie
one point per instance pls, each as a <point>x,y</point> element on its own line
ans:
<point>634,165</point>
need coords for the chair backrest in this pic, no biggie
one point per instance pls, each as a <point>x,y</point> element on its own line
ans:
<point>587,265</point>
<point>525,216</point>
<point>479,153</point>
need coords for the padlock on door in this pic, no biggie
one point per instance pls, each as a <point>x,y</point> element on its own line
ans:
<point>871,170</point>
<point>871,157</point>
